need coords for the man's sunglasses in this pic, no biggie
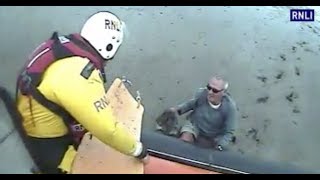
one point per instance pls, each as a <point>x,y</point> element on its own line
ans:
<point>214,90</point>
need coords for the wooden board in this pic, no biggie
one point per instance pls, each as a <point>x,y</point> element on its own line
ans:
<point>94,157</point>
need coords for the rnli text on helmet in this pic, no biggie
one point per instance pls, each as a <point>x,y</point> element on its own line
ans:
<point>113,25</point>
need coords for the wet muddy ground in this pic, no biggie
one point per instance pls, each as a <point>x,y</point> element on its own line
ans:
<point>272,66</point>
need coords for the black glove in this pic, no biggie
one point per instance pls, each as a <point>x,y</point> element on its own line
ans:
<point>219,148</point>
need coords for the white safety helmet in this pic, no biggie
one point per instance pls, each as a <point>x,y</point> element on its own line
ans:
<point>105,32</point>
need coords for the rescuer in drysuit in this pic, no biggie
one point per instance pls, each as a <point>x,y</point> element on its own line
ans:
<point>61,95</point>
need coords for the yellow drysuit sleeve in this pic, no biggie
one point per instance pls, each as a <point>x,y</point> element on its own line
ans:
<point>79,95</point>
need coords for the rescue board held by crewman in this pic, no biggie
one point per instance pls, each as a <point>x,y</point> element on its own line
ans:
<point>94,157</point>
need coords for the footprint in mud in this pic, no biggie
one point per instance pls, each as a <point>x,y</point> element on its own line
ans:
<point>294,49</point>
<point>262,79</point>
<point>262,99</point>
<point>244,116</point>
<point>253,133</point>
<point>296,110</point>
<point>297,71</point>
<point>283,57</point>
<point>302,43</point>
<point>279,75</point>
<point>314,31</point>
<point>292,96</point>
<point>308,50</point>
<point>193,57</point>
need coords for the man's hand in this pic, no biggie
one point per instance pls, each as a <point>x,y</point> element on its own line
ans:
<point>173,109</point>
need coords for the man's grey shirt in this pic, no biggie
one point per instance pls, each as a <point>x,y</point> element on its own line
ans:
<point>218,124</point>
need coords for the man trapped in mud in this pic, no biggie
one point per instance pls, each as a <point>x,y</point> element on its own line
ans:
<point>213,117</point>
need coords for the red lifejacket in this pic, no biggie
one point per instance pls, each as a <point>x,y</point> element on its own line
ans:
<point>53,49</point>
